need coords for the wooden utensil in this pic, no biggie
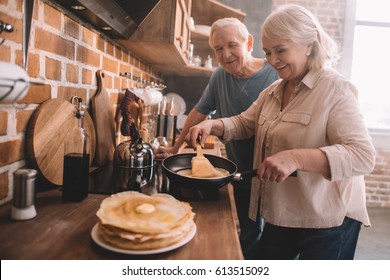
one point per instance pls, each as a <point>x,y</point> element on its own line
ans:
<point>103,119</point>
<point>134,112</point>
<point>52,124</point>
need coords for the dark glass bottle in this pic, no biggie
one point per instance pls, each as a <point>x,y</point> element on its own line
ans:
<point>76,161</point>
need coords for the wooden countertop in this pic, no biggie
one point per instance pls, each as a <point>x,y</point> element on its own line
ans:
<point>62,230</point>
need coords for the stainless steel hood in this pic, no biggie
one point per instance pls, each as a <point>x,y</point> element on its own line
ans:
<point>116,18</point>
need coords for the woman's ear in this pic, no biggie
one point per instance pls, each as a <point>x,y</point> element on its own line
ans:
<point>309,48</point>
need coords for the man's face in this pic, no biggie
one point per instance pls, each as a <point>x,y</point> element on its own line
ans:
<point>231,50</point>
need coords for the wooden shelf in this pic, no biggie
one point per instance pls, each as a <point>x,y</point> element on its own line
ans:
<point>189,71</point>
<point>163,39</point>
<point>205,12</point>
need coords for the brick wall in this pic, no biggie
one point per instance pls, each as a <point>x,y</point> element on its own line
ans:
<point>330,13</point>
<point>64,56</point>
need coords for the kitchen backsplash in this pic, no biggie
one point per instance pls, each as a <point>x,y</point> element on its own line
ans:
<point>64,57</point>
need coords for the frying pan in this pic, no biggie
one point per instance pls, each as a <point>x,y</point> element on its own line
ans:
<point>173,164</point>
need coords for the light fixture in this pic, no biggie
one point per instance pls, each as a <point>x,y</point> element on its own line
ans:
<point>106,28</point>
<point>78,7</point>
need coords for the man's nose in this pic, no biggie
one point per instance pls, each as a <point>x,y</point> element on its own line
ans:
<point>226,53</point>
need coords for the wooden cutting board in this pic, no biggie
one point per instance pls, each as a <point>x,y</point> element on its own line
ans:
<point>50,126</point>
<point>103,119</point>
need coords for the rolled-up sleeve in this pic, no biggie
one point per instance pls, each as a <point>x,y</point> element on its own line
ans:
<point>350,152</point>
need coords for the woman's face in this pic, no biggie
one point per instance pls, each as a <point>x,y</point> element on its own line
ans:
<point>231,50</point>
<point>288,58</point>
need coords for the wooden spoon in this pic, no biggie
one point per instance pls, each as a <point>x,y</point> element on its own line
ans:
<point>134,111</point>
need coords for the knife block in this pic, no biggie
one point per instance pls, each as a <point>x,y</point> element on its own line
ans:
<point>166,127</point>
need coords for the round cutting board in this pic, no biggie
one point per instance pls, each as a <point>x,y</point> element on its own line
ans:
<point>52,124</point>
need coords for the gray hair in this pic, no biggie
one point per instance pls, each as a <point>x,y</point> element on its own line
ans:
<point>297,24</point>
<point>223,22</point>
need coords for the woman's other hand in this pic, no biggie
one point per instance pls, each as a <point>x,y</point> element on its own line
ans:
<point>278,167</point>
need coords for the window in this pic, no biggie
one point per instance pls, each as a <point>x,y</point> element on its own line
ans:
<point>370,62</point>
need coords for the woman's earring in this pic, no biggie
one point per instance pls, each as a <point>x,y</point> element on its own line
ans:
<point>308,53</point>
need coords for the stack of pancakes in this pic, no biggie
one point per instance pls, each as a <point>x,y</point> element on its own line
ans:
<point>135,221</point>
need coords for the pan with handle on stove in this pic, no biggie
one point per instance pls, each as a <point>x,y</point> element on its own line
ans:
<point>175,164</point>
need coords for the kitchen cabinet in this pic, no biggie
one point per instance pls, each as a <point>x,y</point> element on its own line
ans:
<point>164,37</point>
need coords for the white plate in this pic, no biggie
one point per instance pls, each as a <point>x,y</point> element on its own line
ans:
<point>101,243</point>
<point>178,103</point>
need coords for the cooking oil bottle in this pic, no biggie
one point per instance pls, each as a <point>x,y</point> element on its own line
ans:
<point>76,160</point>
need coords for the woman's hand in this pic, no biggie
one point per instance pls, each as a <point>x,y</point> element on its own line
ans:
<point>198,133</point>
<point>278,167</point>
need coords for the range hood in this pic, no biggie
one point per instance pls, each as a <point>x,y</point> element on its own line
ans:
<point>118,19</point>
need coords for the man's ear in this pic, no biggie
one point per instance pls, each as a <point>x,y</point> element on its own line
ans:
<point>250,43</point>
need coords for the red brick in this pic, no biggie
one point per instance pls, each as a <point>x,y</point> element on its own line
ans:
<point>108,80</point>
<point>53,69</point>
<point>37,94</point>
<point>46,41</point>
<point>52,16</point>
<point>124,68</point>
<point>33,65</point>
<point>11,151</point>
<point>3,122</point>
<point>72,28</point>
<point>110,65</point>
<point>87,56</point>
<point>100,42</point>
<point>87,36</point>
<point>5,53</point>
<point>22,119</point>
<point>126,56</point>
<point>4,182</point>
<point>86,76</point>
<point>118,52</point>
<point>68,92</point>
<point>72,73</point>
<point>117,83</point>
<point>109,48</point>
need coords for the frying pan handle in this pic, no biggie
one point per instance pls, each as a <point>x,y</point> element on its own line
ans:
<point>239,176</point>
<point>252,173</point>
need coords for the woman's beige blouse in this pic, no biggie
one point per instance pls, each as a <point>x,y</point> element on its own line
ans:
<point>324,113</point>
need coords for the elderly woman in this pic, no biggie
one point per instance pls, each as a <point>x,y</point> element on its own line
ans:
<point>309,122</point>
<point>232,88</point>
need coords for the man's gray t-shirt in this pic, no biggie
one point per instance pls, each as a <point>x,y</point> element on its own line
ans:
<point>229,96</point>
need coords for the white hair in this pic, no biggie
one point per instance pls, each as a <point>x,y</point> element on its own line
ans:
<point>295,23</point>
<point>233,22</point>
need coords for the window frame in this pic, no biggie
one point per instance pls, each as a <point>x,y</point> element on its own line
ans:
<point>380,137</point>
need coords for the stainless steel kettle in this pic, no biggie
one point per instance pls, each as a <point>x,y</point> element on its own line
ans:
<point>134,162</point>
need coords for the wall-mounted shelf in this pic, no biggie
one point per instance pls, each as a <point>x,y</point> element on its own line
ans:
<point>163,39</point>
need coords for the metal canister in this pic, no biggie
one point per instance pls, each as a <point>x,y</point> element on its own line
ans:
<point>23,207</point>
